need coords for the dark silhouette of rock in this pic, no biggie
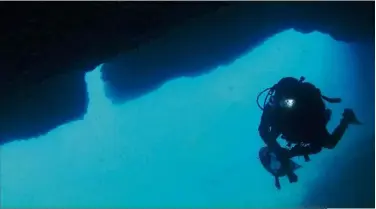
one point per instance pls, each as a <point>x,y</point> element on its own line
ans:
<point>42,40</point>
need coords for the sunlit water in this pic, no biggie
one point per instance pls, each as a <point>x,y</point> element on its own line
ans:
<point>191,143</point>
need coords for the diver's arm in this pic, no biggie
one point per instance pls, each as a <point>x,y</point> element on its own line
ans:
<point>268,134</point>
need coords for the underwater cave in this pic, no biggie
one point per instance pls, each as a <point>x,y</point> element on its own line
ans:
<point>172,121</point>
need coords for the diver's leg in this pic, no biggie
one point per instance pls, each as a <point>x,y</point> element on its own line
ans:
<point>328,115</point>
<point>348,119</point>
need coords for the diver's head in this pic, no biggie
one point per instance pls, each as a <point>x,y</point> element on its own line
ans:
<point>284,92</point>
<point>280,91</point>
<point>286,84</point>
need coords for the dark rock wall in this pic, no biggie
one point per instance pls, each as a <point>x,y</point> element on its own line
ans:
<point>46,47</point>
<point>56,43</point>
<point>205,43</point>
<point>40,108</point>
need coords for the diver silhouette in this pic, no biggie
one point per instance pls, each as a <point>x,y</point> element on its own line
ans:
<point>295,110</point>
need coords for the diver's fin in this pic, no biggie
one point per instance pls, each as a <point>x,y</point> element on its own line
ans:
<point>277,183</point>
<point>349,115</point>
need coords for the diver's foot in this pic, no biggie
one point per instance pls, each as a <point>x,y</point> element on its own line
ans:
<point>350,118</point>
<point>292,177</point>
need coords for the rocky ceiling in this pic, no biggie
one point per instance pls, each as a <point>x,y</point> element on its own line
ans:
<point>46,47</point>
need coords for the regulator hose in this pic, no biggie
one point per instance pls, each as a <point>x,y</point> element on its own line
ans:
<point>270,92</point>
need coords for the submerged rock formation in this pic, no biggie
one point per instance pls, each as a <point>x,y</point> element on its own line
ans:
<point>48,46</point>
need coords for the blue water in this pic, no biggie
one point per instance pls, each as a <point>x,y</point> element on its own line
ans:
<point>191,143</point>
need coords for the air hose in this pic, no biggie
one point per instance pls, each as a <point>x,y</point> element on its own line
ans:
<point>270,92</point>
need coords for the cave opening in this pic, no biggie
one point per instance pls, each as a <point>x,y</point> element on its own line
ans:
<point>193,141</point>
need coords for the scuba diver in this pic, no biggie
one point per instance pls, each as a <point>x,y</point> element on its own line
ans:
<point>295,110</point>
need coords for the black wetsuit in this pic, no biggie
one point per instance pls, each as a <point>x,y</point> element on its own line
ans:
<point>303,125</point>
